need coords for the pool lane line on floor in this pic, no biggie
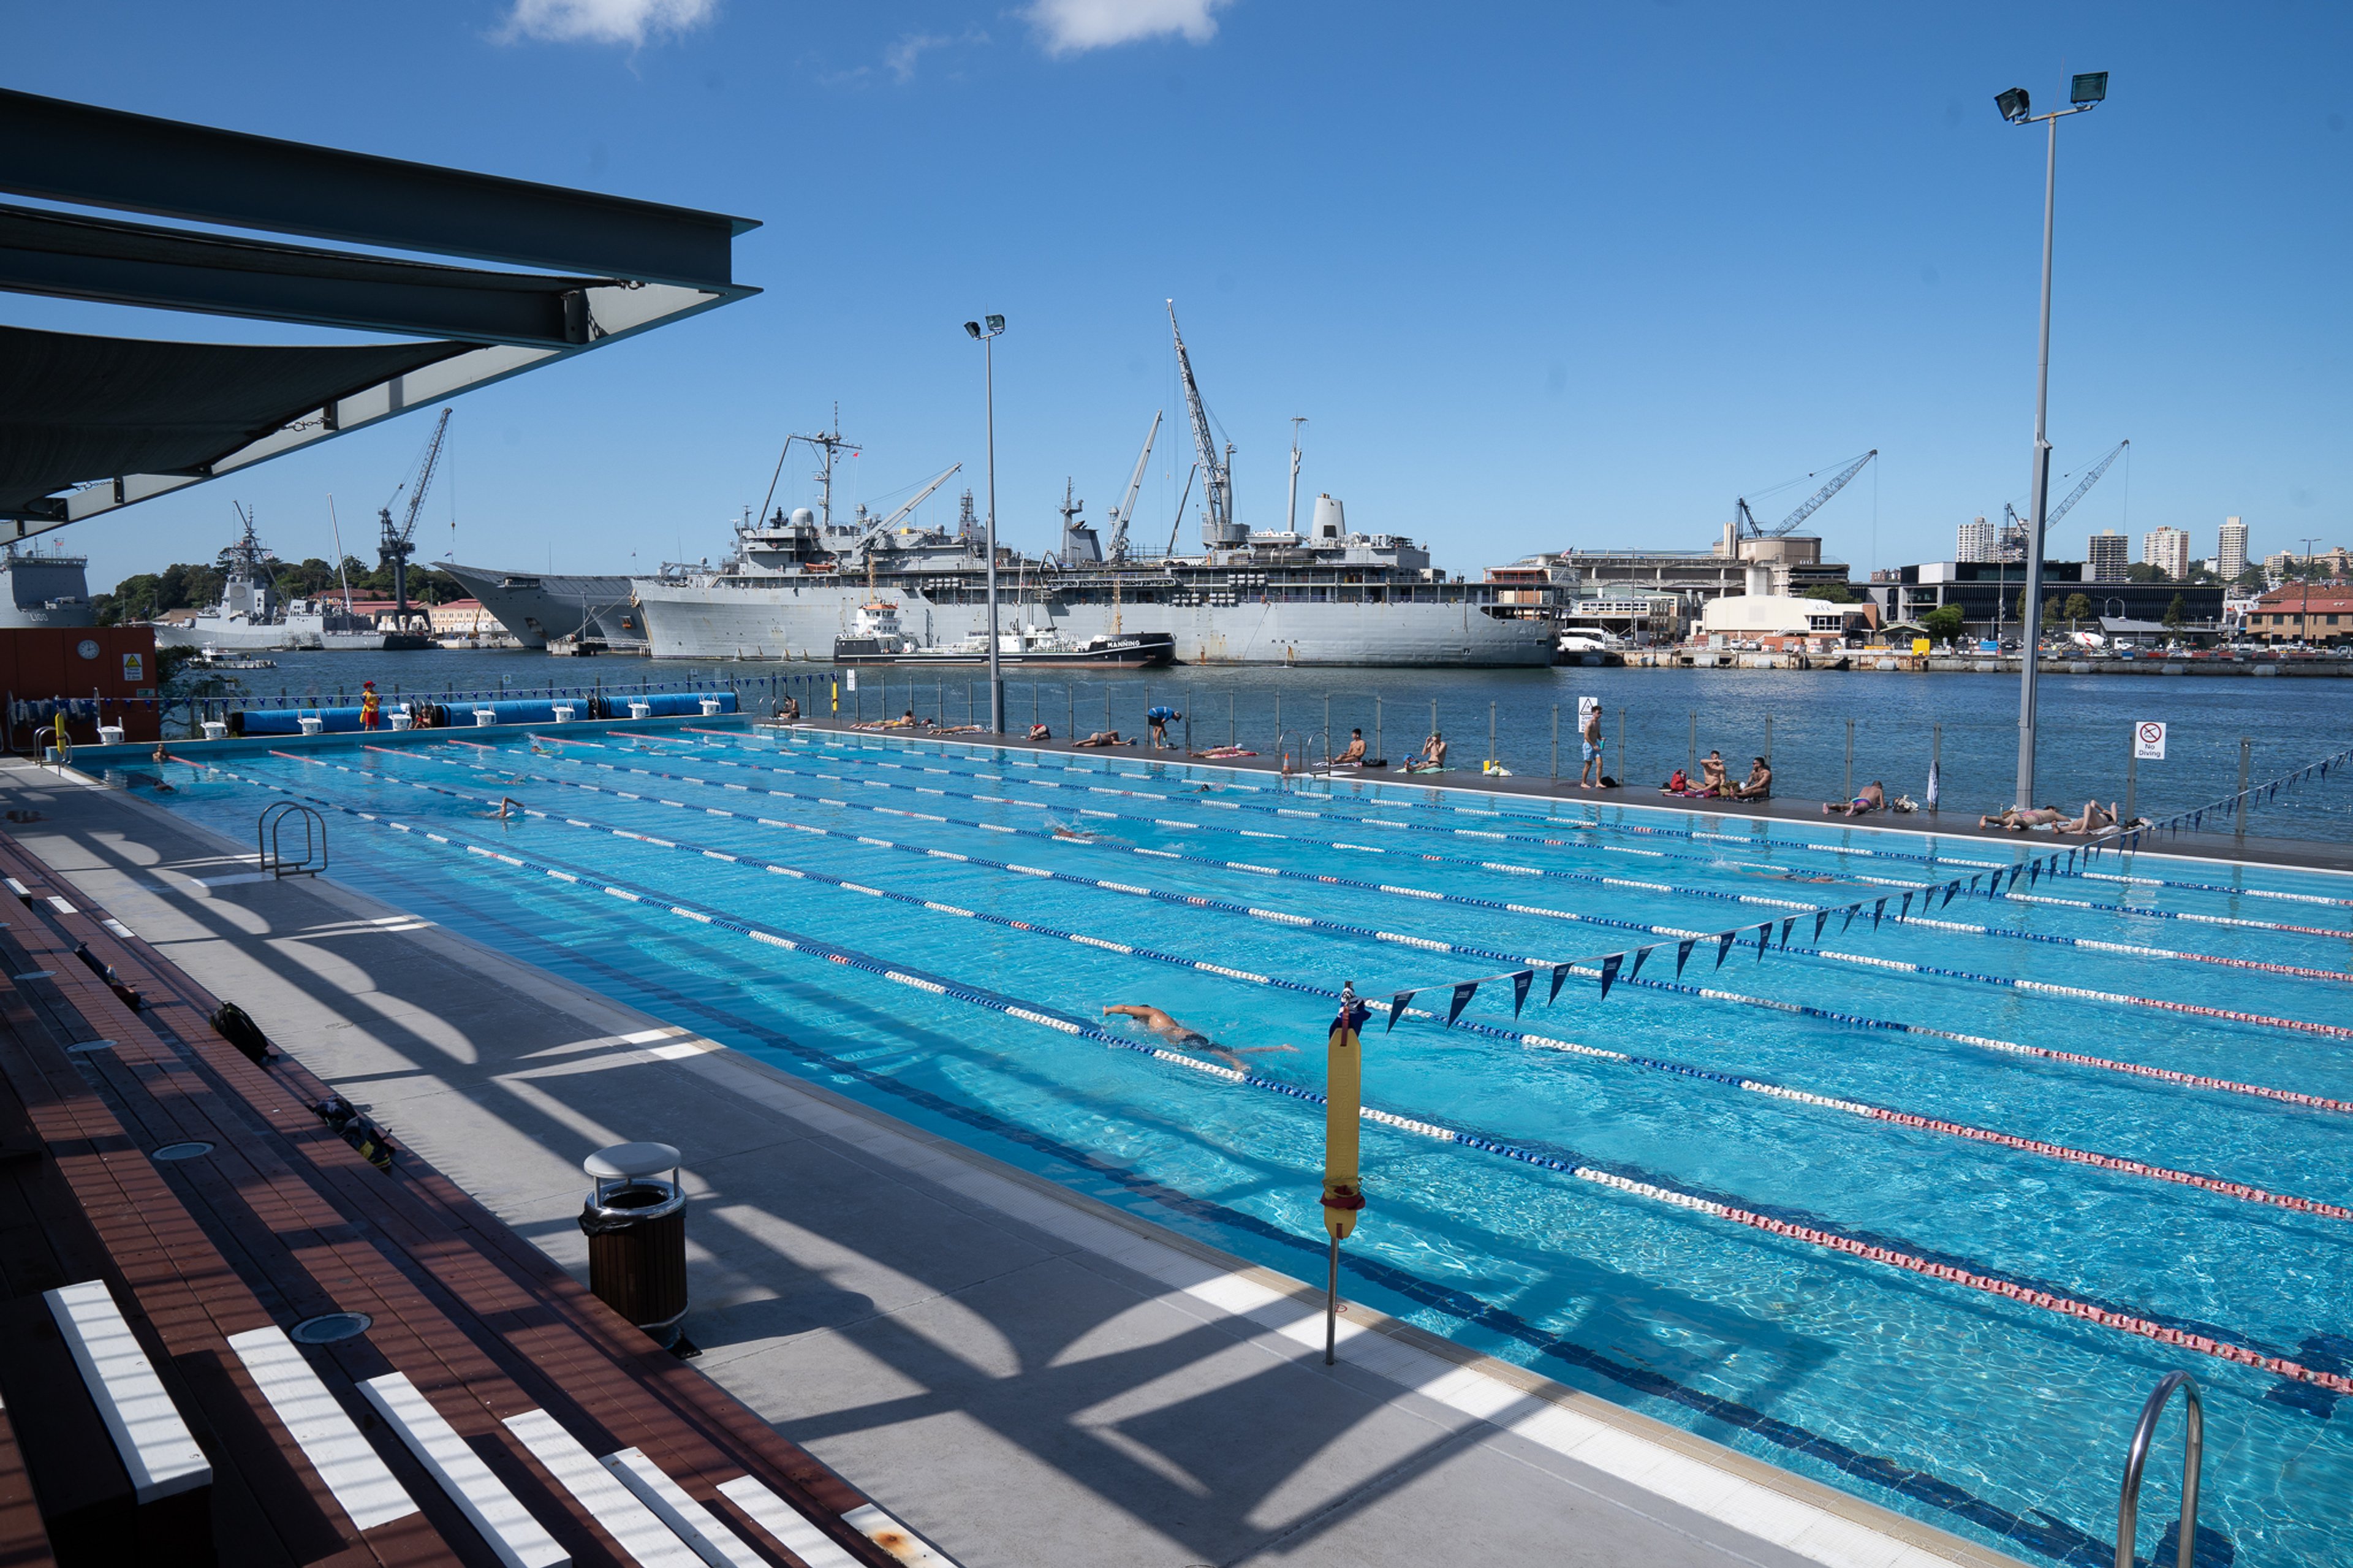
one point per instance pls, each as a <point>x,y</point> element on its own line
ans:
<point>2257,1020</point>
<point>1904,1257</point>
<point>2234,922</point>
<point>2243,1191</point>
<point>2006,932</point>
<point>1756,841</point>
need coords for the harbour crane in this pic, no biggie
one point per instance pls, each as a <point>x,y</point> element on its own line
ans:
<point>399,543</point>
<point>1751,529</point>
<point>2091,476</point>
<point>1216,476</point>
<point>876,530</point>
<point>1126,512</point>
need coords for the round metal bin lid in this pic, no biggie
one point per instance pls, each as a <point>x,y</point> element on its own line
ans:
<point>624,1161</point>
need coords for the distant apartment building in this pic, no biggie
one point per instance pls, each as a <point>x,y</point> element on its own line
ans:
<point>2167,550</point>
<point>1976,542</point>
<point>2106,554</point>
<point>2231,550</point>
<point>2334,563</point>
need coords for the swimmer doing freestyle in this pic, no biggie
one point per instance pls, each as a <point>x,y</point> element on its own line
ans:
<point>1177,1035</point>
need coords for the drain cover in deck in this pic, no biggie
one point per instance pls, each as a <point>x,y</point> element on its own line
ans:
<point>182,1150</point>
<point>331,1328</point>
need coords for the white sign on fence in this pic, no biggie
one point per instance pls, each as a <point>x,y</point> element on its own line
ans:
<point>2148,742</point>
<point>853,686</point>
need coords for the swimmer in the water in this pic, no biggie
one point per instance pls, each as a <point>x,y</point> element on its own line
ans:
<point>1184,1039</point>
<point>506,803</point>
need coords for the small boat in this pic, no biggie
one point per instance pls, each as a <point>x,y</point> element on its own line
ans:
<point>875,637</point>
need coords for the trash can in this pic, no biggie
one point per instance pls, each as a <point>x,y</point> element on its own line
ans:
<point>634,1220</point>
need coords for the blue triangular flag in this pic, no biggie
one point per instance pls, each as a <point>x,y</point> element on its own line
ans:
<point>1462,994</point>
<point>1821,919</point>
<point>1848,924</point>
<point>1877,910</point>
<point>1640,954</point>
<point>1610,973</point>
<point>1764,936</point>
<point>1520,984</point>
<point>1397,1005</point>
<point>1559,974</point>
<point>1724,941</point>
<point>1682,954</point>
<point>1951,888</point>
<point>1787,922</point>
<point>2033,872</point>
<point>1905,912</point>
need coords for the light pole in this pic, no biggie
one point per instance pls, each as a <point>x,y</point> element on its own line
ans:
<point>2303,616</point>
<point>2086,92</point>
<point>987,341</point>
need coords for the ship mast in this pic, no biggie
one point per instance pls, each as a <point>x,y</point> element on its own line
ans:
<point>1216,474</point>
<point>1291,513</point>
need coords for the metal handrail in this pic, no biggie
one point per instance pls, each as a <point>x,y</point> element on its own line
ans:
<point>268,851</point>
<point>2193,1456</point>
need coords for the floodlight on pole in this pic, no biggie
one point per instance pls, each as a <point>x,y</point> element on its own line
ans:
<point>987,341</point>
<point>2088,89</point>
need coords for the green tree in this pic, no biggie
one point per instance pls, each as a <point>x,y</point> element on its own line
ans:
<point>2078,608</point>
<point>2142,572</point>
<point>1829,593</point>
<point>1943,623</point>
<point>2253,580</point>
<point>2176,613</point>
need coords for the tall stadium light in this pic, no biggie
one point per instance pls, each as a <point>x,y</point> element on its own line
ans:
<point>2086,92</point>
<point>987,341</point>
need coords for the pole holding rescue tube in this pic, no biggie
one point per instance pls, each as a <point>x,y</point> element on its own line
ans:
<point>1344,1093</point>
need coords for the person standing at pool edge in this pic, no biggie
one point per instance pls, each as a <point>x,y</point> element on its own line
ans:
<point>1588,731</point>
<point>1160,716</point>
<point>371,707</point>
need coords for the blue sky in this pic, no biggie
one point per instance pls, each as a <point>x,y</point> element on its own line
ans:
<point>1537,275</point>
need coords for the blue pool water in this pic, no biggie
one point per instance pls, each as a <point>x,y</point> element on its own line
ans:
<point>1570,1233</point>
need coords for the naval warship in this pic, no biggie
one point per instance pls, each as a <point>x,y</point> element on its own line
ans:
<point>795,583</point>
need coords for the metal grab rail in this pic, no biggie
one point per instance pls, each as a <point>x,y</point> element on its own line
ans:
<point>271,852</point>
<point>2193,1456</point>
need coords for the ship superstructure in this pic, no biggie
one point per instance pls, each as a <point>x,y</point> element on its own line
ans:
<point>794,583</point>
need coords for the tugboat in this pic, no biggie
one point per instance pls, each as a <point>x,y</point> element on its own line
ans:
<point>875,637</point>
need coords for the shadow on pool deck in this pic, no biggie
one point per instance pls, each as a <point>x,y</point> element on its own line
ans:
<point>1023,1375</point>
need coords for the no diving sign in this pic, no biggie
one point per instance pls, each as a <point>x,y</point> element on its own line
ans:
<point>2148,742</point>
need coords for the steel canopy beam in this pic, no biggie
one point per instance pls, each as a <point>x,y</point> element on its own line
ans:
<point>134,264</point>
<point>58,151</point>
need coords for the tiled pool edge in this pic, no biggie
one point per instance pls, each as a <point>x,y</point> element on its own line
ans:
<point>1777,1506</point>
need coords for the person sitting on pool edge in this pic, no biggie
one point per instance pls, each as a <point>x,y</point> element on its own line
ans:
<point>1873,798</point>
<point>1759,785</point>
<point>789,712</point>
<point>1103,738</point>
<point>1713,779</point>
<point>1177,1035</point>
<point>1040,732</point>
<point>1432,758</point>
<point>1354,755</point>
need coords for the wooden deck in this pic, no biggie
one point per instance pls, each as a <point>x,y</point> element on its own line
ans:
<point>281,1220</point>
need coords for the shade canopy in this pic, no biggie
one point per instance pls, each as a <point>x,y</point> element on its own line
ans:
<point>89,423</point>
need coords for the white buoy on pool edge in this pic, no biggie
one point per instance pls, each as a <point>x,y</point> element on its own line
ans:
<point>109,734</point>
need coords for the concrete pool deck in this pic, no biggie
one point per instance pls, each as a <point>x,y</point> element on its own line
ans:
<point>1023,1374</point>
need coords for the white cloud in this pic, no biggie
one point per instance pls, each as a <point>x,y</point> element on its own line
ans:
<point>901,57</point>
<point>627,22</point>
<point>1074,26</point>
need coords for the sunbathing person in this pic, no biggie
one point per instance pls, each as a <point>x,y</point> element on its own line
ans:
<point>2096,818</point>
<point>1873,798</point>
<point>1713,780</point>
<point>1759,785</point>
<point>1355,753</point>
<point>1040,732</point>
<point>1433,756</point>
<point>1103,738</point>
<point>1177,1035</point>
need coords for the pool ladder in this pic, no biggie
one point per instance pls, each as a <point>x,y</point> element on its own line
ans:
<point>269,833</point>
<point>2193,1456</point>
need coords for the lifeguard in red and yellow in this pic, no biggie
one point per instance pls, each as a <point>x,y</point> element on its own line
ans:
<point>371,707</point>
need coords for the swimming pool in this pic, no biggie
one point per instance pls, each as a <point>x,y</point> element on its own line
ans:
<point>1900,1207</point>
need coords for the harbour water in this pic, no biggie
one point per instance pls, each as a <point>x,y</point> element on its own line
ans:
<point>1654,719</point>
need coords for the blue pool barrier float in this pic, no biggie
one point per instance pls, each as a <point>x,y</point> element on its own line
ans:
<point>345,720</point>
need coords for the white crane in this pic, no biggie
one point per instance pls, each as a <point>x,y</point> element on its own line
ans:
<point>2091,476</point>
<point>876,530</point>
<point>1125,511</point>
<point>1216,475</point>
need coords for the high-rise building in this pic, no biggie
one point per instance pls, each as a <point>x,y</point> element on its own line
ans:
<point>2106,554</point>
<point>2167,550</point>
<point>2231,551</point>
<point>1977,542</point>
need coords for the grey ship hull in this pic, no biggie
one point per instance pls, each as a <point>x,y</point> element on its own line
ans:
<point>537,606</point>
<point>799,619</point>
<point>44,591</point>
